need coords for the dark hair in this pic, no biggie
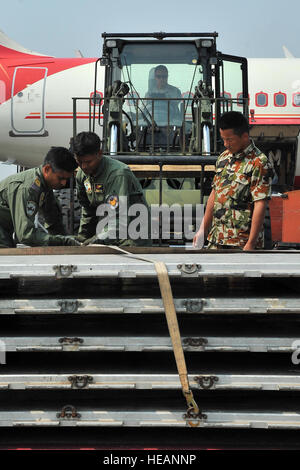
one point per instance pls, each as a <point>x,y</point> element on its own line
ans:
<point>235,121</point>
<point>60,159</point>
<point>86,143</point>
<point>160,67</point>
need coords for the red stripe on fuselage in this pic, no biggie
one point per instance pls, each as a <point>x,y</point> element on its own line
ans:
<point>279,120</point>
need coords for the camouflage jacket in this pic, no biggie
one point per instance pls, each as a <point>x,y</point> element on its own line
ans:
<point>240,180</point>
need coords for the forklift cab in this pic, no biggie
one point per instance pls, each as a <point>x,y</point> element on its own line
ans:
<point>166,95</point>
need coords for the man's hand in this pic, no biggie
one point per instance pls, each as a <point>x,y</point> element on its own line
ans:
<point>199,239</point>
<point>71,241</point>
<point>90,241</point>
<point>249,246</point>
<point>256,224</point>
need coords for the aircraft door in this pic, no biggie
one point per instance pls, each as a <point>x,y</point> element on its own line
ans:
<point>28,102</point>
<point>231,84</point>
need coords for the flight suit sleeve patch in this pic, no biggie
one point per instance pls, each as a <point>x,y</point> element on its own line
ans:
<point>36,185</point>
<point>99,188</point>
<point>113,201</point>
<point>87,186</point>
<point>31,208</point>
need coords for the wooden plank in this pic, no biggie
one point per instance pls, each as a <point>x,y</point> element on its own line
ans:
<point>101,250</point>
<point>92,249</point>
<point>171,168</point>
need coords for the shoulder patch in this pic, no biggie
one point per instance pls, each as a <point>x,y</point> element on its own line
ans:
<point>113,201</point>
<point>31,208</point>
<point>87,186</point>
<point>99,188</point>
<point>36,184</point>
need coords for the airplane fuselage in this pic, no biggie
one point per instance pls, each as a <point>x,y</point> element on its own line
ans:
<point>36,106</point>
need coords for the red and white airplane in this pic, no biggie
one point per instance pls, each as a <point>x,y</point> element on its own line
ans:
<point>36,99</point>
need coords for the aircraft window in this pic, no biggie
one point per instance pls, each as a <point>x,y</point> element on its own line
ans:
<point>280,99</point>
<point>239,98</point>
<point>261,99</point>
<point>96,100</point>
<point>226,95</point>
<point>296,99</point>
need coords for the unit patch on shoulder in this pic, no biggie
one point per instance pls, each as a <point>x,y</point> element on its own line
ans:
<point>36,185</point>
<point>87,186</point>
<point>31,208</point>
<point>99,188</point>
<point>113,201</point>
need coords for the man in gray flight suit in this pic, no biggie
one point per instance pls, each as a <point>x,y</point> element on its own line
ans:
<point>103,182</point>
<point>25,194</point>
<point>160,88</point>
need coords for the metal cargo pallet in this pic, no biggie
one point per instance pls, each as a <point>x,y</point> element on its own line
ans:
<point>88,328</point>
<point>147,343</point>
<point>180,265</point>
<point>69,417</point>
<point>209,305</point>
<point>214,381</point>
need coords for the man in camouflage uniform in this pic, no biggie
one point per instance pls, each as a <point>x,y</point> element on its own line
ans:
<point>103,183</point>
<point>25,194</point>
<point>236,207</point>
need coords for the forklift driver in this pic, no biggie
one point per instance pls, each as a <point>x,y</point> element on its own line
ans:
<point>160,88</point>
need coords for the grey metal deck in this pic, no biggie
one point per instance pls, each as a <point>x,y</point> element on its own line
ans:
<point>153,418</point>
<point>84,324</point>
<point>279,264</point>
